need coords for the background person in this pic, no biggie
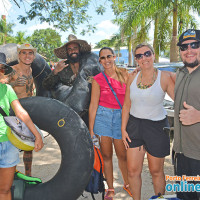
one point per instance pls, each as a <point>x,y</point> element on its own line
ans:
<point>187,111</point>
<point>105,116</point>
<point>9,154</point>
<point>142,130</point>
<point>21,80</point>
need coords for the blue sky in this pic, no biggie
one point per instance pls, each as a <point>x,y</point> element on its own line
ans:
<point>105,28</point>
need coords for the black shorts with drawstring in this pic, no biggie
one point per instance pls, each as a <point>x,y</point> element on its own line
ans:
<point>150,134</point>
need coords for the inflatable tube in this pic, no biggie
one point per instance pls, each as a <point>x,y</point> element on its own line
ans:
<point>40,68</point>
<point>76,147</point>
<point>78,96</point>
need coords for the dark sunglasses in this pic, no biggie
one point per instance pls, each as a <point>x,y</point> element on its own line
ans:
<point>3,69</point>
<point>193,45</point>
<point>108,57</point>
<point>140,56</point>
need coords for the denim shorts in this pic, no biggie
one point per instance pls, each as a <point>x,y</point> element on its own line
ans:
<point>9,155</point>
<point>108,122</point>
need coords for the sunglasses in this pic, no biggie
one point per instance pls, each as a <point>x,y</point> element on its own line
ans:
<point>193,45</point>
<point>146,54</point>
<point>3,69</point>
<point>108,57</point>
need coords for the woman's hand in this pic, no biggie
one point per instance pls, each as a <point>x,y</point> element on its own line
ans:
<point>125,137</point>
<point>38,143</point>
<point>91,133</point>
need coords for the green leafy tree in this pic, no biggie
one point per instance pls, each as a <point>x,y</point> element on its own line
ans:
<point>63,14</point>
<point>20,38</point>
<point>103,43</point>
<point>6,31</point>
<point>46,40</point>
<point>131,31</point>
<point>133,12</point>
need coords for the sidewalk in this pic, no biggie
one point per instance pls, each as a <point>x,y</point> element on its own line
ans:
<point>47,162</point>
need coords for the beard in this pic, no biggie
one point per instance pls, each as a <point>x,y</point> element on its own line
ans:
<point>191,65</point>
<point>73,59</point>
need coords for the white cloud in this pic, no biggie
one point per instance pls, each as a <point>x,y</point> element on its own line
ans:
<point>108,26</point>
<point>105,30</point>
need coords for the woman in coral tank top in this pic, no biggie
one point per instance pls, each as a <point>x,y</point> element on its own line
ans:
<point>105,116</point>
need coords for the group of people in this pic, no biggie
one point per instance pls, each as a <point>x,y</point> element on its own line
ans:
<point>142,119</point>
<point>126,111</point>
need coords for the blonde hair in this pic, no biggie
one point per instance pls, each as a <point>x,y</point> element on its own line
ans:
<point>120,74</point>
<point>144,44</point>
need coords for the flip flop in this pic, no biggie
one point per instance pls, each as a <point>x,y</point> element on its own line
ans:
<point>106,197</point>
<point>126,188</point>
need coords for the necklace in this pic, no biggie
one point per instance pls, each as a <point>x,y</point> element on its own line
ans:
<point>145,86</point>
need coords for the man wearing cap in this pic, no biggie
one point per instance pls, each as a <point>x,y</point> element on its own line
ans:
<point>187,111</point>
<point>21,80</point>
<point>78,63</point>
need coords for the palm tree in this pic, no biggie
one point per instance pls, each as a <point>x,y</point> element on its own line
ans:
<point>116,42</point>
<point>20,37</point>
<point>5,31</point>
<point>134,11</point>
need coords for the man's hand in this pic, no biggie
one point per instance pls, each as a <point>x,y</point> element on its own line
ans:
<point>189,115</point>
<point>60,66</point>
<point>136,70</point>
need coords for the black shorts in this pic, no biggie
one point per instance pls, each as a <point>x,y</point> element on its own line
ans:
<point>189,167</point>
<point>150,134</point>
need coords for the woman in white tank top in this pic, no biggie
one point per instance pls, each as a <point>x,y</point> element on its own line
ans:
<point>142,131</point>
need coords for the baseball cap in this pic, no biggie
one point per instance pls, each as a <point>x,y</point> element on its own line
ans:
<point>7,68</point>
<point>190,34</point>
<point>26,46</point>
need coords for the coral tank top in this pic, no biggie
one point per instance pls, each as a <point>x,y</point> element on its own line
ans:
<point>107,98</point>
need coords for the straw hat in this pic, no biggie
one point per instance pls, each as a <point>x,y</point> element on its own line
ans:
<point>61,52</point>
<point>8,69</point>
<point>26,46</point>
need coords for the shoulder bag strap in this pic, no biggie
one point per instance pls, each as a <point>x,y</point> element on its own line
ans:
<point>112,90</point>
<point>2,112</point>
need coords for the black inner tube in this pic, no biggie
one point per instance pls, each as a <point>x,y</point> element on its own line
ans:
<point>77,155</point>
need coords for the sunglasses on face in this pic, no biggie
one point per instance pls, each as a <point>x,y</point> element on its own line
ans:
<point>193,45</point>
<point>140,56</point>
<point>104,57</point>
<point>3,69</point>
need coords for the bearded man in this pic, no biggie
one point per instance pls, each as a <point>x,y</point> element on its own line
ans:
<point>71,75</point>
<point>187,112</point>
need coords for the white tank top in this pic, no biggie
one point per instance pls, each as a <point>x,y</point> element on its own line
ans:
<point>147,103</point>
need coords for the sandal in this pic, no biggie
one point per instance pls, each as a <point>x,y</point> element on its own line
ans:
<point>126,188</point>
<point>106,197</point>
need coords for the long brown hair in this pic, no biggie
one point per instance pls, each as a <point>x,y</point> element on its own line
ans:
<point>119,71</point>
